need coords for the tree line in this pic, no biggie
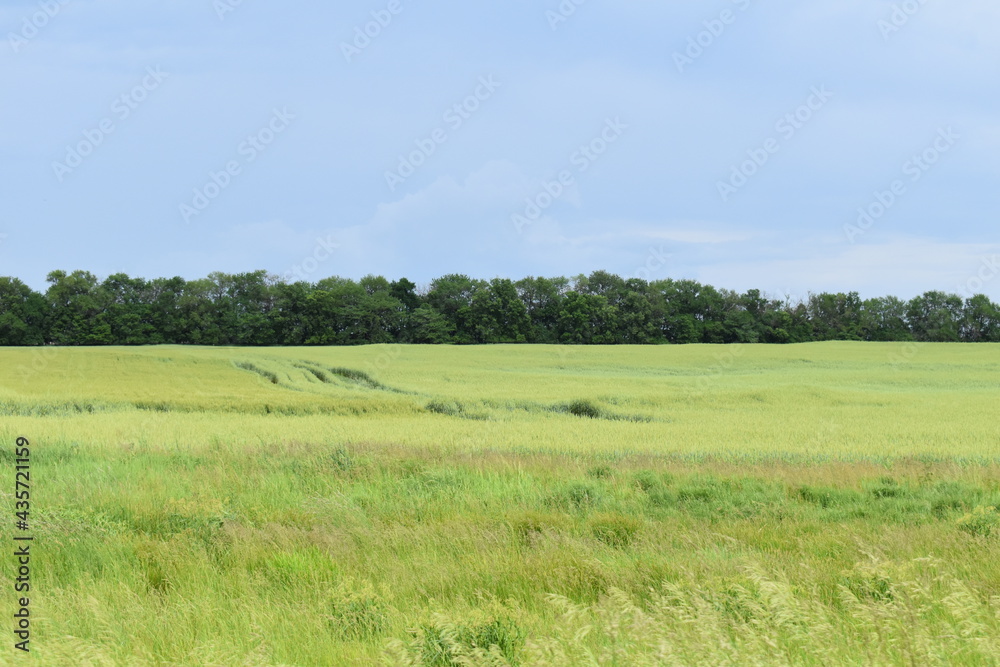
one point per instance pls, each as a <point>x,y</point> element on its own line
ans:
<point>257,309</point>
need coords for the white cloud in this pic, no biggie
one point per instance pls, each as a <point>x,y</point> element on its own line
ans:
<point>902,265</point>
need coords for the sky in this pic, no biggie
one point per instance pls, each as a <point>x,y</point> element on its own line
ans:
<point>791,147</point>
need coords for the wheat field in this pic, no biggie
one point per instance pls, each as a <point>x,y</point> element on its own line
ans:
<point>810,504</point>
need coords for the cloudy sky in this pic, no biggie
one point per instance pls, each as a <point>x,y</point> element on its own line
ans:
<point>789,146</point>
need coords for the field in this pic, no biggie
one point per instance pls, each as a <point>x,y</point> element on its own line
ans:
<point>810,504</point>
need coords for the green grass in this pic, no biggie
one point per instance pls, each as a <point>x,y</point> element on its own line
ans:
<point>809,505</point>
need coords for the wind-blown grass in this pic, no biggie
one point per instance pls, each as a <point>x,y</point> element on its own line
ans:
<point>197,513</point>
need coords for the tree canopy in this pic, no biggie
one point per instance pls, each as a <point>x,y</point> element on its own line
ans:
<point>256,309</point>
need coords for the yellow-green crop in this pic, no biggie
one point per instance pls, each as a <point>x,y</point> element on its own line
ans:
<point>809,504</point>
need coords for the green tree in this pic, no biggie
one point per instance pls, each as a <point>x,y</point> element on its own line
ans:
<point>126,304</point>
<point>289,316</point>
<point>835,316</point>
<point>75,310</point>
<point>691,312</point>
<point>164,296</point>
<point>451,296</point>
<point>542,299</point>
<point>22,314</point>
<point>405,292</point>
<point>335,313</point>
<point>499,314</point>
<point>586,319</point>
<point>935,317</point>
<point>431,327</point>
<point>884,319</point>
<point>980,320</point>
<point>635,316</point>
<point>381,315</point>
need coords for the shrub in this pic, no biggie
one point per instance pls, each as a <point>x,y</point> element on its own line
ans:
<point>453,409</point>
<point>888,488</point>
<point>449,408</point>
<point>828,497</point>
<point>982,521</point>
<point>578,496</point>
<point>615,530</point>
<point>698,494</point>
<point>584,409</point>
<point>662,498</point>
<point>602,471</point>
<point>341,459</point>
<point>646,480</point>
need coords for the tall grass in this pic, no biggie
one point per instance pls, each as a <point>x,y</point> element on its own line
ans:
<point>447,507</point>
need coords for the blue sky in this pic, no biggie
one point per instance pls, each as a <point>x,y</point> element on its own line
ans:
<point>732,142</point>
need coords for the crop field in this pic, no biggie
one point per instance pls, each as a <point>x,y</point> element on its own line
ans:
<point>816,504</point>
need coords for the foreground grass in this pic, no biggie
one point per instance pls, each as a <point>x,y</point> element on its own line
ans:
<point>808,505</point>
<point>309,555</point>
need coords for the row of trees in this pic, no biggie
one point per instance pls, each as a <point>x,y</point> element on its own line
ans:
<point>258,309</point>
